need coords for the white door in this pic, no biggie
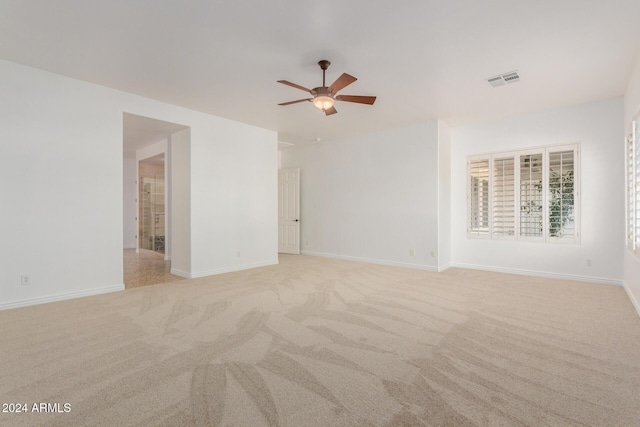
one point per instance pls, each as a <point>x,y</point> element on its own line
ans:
<point>289,211</point>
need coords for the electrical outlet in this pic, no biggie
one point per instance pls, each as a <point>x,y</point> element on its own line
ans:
<point>433,254</point>
<point>238,253</point>
<point>588,263</point>
<point>25,280</point>
<point>412,252</point>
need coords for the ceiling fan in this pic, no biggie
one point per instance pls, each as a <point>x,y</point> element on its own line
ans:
<point>324,97</point>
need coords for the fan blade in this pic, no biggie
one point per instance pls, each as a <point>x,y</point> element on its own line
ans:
<point>357,99</point>
<point>296,101</point>
<point>330,111</point>
<point>284,82</point>
<point>343,81</point>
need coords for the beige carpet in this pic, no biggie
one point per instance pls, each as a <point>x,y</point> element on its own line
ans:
<point>319,342</point>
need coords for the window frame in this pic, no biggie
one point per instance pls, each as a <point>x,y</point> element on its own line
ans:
<point>545,153</point>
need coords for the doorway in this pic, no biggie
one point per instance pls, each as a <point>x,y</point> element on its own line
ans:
<point>147,190</point>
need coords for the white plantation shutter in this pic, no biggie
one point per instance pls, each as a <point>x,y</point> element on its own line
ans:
<point>633,188</point>
<point>531,195</point>
<point>561,220</point>
<point>631,191</point>
<point>478,208</point>
<point>636,203</point>
<point>504,206</point>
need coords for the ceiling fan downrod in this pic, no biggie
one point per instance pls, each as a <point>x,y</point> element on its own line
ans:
<point>324,64</point>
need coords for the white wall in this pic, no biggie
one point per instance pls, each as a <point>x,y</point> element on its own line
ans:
<point>598,127</point>
<point>444,197</point>
<point>129,167</point>
<point>152,150</point>
<point>631,275</point>
<point>180,202</point>
<point>371,198</point>
<point>234,196</point>
<point>61,178</point>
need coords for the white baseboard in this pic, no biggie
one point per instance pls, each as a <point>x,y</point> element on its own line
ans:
<point>590,279</point>
<point>373,261</point>
<point>60,297</point>
<point>631,272</point>
<point>180,273</point>
<point>444,267</point>
<point>242,267</point>
<point>632,297</point>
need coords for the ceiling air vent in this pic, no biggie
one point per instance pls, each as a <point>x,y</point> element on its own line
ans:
<point>504,79</point>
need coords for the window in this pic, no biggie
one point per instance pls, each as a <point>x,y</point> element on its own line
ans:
<point>504,208</point>
<point>561,194</point>
<point>525,195</point>
<point>531,212</point>
<point>479,197</point>
<point>633,189</point>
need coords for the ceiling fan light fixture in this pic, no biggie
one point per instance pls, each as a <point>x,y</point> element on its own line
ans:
<point>323,102</point>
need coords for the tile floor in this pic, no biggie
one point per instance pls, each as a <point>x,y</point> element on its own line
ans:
<point>146,268</point>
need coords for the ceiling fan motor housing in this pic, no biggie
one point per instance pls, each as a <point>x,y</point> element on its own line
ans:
<point>322,91</point>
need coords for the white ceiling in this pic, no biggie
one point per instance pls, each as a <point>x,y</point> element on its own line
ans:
<point>424,59</point>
